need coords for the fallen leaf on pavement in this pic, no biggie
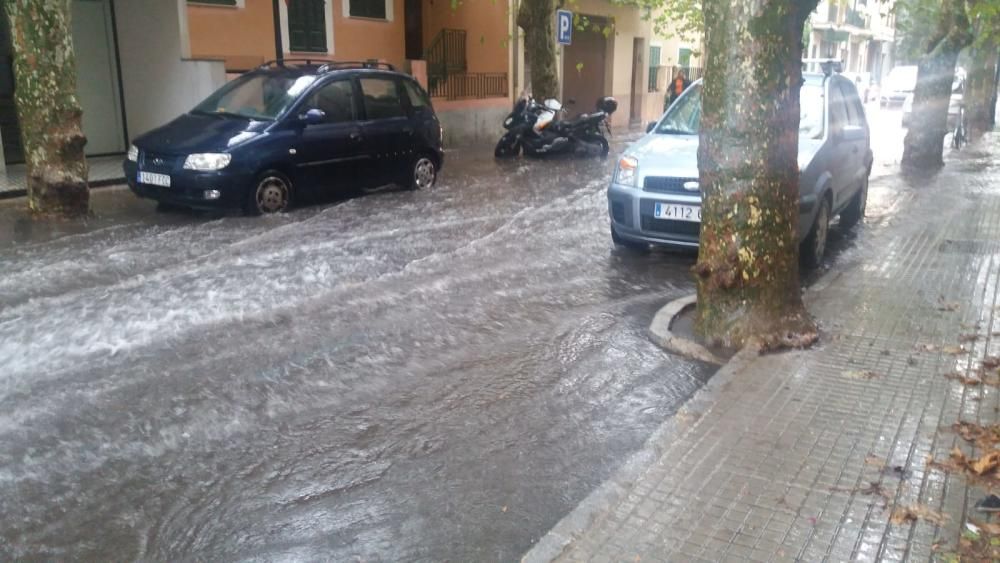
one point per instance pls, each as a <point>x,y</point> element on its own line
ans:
<point>963,379</point>
<point>968,338</point>
<point>874,460</point>
<point>946,305</point>
<point>860,374</point>
<point>954,350</point>
<point>989,527</point>
<point>926,347</point>
<point>991,362</point>
<point>984,437</point>
<point>906,514</point>
<point>986,463</point>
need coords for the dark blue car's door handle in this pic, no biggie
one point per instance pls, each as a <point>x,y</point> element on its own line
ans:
<point>355,136</point>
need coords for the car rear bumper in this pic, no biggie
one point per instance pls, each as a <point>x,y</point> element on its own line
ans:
<point>188,188</point>
<point>631,212</point>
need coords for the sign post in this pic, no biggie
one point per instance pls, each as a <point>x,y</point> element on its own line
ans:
<point>564,27</point>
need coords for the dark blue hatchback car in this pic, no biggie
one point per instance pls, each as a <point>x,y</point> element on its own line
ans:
<point>287,129</point>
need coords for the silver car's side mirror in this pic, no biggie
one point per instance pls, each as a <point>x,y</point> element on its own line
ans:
<point>650,126</point>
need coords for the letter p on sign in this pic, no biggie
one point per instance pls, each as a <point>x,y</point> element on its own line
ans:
<point>564,27</point>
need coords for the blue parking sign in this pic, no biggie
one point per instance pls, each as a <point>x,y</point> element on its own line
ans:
<point>564,27</point>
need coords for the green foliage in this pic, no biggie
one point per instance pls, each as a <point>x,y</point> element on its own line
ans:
<point>916,24</point>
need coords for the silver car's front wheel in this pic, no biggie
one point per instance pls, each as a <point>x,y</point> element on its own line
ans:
<point>814,247</point>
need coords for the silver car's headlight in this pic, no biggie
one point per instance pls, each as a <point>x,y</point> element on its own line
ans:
<point>133,153</point>
<point>628,171</point>
<point>207,161</point>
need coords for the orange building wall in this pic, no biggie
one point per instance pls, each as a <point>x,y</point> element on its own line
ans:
<point>360,39</point>
<point>243,37</point>
<point>485,24</point>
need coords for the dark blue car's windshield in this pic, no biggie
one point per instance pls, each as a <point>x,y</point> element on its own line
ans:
<point>256,96</point>
<point>684,117</point>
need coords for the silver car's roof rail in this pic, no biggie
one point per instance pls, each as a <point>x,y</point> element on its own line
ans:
<point>829,66</point>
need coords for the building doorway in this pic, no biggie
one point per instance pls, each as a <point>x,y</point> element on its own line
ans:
<point>584,65</point>
<point>638,70</point>
<point>10,128</point>
<point>414,29</point>
<point>97,83</point>
<point>97,80</point>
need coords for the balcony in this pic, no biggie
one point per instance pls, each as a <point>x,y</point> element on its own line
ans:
<point>856,19</point>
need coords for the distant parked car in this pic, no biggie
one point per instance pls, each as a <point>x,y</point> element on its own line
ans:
<point>655,198</point>
<point>899,84</point>
<point>287,129</point>
<point>957,98</point>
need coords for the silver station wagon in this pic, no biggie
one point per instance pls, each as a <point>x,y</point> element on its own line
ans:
<point>654,196</point>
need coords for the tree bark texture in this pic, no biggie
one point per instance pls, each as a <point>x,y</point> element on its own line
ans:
<point>47,106</point>
<point>537,19</point>
<point>923,146</point>
<point>747,270</point>
<point>980,88</point>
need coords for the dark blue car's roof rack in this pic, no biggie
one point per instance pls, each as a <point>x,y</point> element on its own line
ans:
<point>323,65</point>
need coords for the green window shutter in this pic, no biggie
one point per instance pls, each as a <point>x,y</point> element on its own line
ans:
<point>307,26</point>
<point>219,2</point>
<point>654,67</point>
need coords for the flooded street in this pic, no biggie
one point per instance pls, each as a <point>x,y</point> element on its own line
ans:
<point>433,375</point>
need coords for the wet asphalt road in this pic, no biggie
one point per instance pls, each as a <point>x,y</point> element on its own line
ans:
<point>434,375</point>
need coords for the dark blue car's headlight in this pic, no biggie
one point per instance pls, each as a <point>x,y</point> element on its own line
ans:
<point>207,161</point>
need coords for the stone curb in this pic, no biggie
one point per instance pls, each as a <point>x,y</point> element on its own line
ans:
<point>660,333</point>
<point>11,194</point>
<point>611,492</point>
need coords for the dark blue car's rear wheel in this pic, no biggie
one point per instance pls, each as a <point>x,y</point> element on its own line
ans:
<point>271,193</point>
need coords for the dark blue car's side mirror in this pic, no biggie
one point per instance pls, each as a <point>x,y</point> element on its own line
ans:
<point>313,116</point>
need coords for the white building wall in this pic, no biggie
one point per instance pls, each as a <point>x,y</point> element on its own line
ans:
<point>159,82</point>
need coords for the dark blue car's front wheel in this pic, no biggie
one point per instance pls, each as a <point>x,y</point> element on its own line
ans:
<point>424,173</point>
<point>270,193</point>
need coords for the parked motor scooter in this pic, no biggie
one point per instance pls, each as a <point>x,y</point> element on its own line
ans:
<point>539,130</point>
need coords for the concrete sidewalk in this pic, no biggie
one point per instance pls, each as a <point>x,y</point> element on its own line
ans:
<point>804,456</point>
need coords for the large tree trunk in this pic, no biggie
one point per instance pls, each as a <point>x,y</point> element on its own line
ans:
<point>923,146</point>
<point>981,88</point>
<point>47,108</point>
<point>748,277</point>
<point>536,18</point>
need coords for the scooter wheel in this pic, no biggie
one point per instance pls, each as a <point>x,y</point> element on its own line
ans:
<point>507,148</point>
<point>603,145</point>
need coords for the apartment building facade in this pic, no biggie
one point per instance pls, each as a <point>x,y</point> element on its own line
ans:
<point>859,33</point>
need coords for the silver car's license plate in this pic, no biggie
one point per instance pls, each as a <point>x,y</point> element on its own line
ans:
<point>154,179</point>
<point>678,212</point>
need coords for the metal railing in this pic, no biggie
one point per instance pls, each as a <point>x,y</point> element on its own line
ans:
<point>471,85</point>
<point>692,72</point>
<point>446,55</point>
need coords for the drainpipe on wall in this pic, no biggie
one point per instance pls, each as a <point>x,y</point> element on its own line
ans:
<point>279,49</point>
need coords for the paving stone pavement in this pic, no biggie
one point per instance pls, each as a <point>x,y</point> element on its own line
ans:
<point>777,460</point>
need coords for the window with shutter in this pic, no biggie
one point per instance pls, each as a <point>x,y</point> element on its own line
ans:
<point>307,26</point>
<point>368,9</point>
<point>654,68</point>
